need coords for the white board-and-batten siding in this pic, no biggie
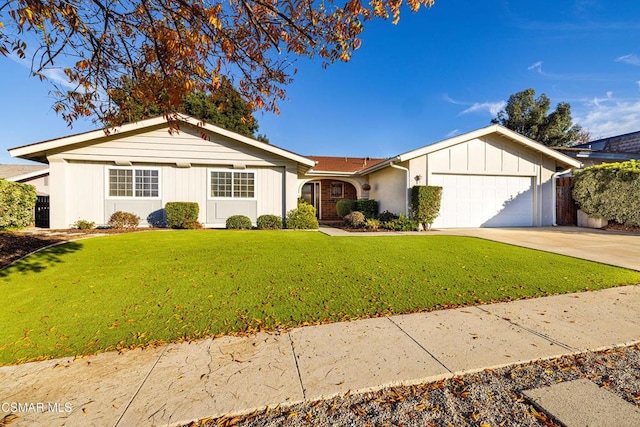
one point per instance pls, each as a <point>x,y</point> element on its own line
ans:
<point>183,161</point>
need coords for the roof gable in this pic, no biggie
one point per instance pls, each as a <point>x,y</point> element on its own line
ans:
<point>38,151</point>
<point>489,130</point>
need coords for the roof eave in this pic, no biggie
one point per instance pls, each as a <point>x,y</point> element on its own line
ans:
<point>28,175</point>
<point>39,149</point>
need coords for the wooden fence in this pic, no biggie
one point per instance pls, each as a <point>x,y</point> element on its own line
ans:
<point>566,208</point>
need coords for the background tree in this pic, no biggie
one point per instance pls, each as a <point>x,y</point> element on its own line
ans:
<point>528,116</point>
<point>225,107</point>
<point>181,45</point>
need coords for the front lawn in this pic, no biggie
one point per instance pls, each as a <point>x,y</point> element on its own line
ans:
<point>145,288</point>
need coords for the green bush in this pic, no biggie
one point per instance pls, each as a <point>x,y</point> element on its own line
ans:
<point>425,204</point>
<point>83,224</point>
<point>239,222</point>
<point>402,223</point>
<point>182,215</point>
<point>17,203</point>
<point>122,219</point>
<point>302,218</point>
<point>610,191</point>
<point>372,224</point>
<point>355,219</point>
<point>269,222</point>
<point>345,206</point>
<point>387,216</point>
<point>369,207</point>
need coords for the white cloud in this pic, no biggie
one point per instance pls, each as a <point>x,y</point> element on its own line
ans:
<point>453,133</point>
<point>475,107</point>
<point>608,116</point>
<point>631,59</point>
<point>536,67</point>
<point>491,107</point>
<point>55,75</point>
<point>450,100</point>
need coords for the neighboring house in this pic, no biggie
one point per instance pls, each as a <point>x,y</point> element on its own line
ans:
<point>491,177</point>
<point>36,175</point>
<point>617,148</point>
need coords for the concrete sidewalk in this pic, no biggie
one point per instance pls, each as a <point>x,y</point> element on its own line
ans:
<point>180,383</point>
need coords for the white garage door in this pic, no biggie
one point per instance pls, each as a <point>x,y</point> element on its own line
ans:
<point>484,201</point>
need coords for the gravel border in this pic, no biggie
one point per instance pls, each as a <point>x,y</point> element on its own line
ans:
<point>492,397</point>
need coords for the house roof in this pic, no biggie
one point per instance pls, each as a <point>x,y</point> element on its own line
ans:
<point>38,151</point>
<point>493,129</point>
<point>22,171</point>
<point>626,143</point>
<point>347,165</point>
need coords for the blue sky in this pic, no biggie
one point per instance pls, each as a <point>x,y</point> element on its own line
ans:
<point>438,73</point>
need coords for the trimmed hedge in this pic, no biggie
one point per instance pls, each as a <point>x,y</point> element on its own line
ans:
<point>17,204</point>
<point>122,219</point>
<point>610,191</point>
<point>345,206</point>
<point>402,223</point>
<point>368,207</point>
<point>269,222</point>
<point>425,204</point>
<point>182,215</point>
<point>238,222</point>
<point>302,218</point>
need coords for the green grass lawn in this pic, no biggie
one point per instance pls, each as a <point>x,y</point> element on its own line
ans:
<point>145,288</point>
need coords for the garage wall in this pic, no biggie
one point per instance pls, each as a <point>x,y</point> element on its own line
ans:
<point>489,181</point>
<point>491,154</point>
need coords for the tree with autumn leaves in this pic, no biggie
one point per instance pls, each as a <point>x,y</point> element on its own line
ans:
<point>184,46</point>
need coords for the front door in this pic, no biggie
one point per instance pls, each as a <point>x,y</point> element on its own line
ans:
<point>311,194</point>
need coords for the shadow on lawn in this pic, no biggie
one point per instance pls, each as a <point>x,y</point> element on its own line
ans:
<point>41,260</point>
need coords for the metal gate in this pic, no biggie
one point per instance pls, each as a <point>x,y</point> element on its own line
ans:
<point>42,212</point>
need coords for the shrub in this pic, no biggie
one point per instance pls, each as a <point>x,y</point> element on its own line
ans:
<point>369,207</point>
<point>372,224</point>
<point>238,222</point>
<point>17,203</point>
<point>269,222</point>
<point>83,224</point>
<point>387,216</point>
<point>182,215</point>
<point>610,191</point>
<point>345,207</point>
<point>302,218</point>
<point>122,219</point>
<point>355,219</point>
<point>402,223</point>
<point>425,203</point>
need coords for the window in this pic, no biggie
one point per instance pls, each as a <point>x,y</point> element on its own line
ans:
<point>337,190</point>
<point>231,184</point>
<point>134,183</point>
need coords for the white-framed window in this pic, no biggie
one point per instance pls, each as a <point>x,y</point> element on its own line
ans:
<point>337,190</point>
<point>232,184</point>
<point>133,182</point>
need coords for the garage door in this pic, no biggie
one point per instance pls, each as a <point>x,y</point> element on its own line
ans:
<point>484,201</point>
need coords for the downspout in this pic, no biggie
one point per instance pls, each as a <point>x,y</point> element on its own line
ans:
<point>406,191</point>
<point>554,193</point>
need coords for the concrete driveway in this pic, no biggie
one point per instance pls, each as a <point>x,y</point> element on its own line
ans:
<point>608,247</point>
